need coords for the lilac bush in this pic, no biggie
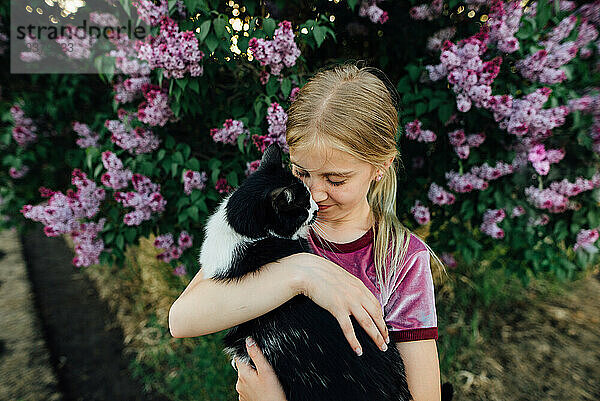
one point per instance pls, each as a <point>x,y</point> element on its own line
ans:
<point>499,123</point>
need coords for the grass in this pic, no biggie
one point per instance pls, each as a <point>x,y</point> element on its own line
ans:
<point>470,303</point>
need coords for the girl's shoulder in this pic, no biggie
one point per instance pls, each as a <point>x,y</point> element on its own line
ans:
<point>415,244</point>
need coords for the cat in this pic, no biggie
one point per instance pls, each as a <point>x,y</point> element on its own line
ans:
<point>265,219</point>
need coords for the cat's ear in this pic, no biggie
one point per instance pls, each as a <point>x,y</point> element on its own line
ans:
<point>281,198</point>
<point>271,156</point>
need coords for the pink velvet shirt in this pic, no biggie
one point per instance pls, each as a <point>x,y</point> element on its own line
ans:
<point>408,297</point>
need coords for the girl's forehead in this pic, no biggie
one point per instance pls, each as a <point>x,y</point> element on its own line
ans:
<point>323,158</point>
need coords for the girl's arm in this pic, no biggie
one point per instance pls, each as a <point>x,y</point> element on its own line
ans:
<point>207,306</point>
<point>422,369</point>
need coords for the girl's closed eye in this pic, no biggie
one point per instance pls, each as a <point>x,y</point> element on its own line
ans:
<point>303,174</point>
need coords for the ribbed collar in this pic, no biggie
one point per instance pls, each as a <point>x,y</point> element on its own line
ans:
<point>360,243</point>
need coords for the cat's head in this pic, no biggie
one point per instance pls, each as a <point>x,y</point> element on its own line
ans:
<point>271,201</point>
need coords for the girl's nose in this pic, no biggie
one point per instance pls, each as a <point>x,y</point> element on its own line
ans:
<point>317,191</point>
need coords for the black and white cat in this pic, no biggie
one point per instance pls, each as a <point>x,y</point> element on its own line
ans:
<point>265,219</point>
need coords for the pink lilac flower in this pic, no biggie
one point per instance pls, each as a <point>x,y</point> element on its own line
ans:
<point>222,186</point>
<point>542,220</point>
<point>449,260</point>
<point>180,270</point>
<point>470,76</point>
<point>590,12</point>
<point>277,53</point>
<point>24,130</point>
<point>586,239</point>
<point>369,8</point>
<point>421,213</point>
<point>294,93</point>
<point>541,159</point>
<point>87,243</point>
<point>277,119</point>
<point>150,12</point>
<point>427,11</point>
<point>414,132</point>
<point>434,43</point>
<point>503,23</point>
<point>465,182</point>
<point>104,19</point>
<point>517,211</point>
<point>462,144</point>
<point>20,173</point>
<point>193,180</point>
<point>555,197</point>
<point>77,43</point>
<point>129,89</point>
<point>489,226</point>
<point>116,176</point>
<point>171,252</point>
<point>135,140</point>
<point>35,54</point>
<point>126,56</point>
<point>230,132</point>
<point>87,137</point>
<point>264,77</point>
<point>488,173</point>
<point>61,214</point>
<point>546,199</point>
<point>145,199</point>
<point>177,53</point>
<point>155,109</point>
<point>251,167</point>
<point>439,195</point>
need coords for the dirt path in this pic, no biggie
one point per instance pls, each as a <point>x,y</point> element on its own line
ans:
<point>548,348</point>
<point>85,343</point>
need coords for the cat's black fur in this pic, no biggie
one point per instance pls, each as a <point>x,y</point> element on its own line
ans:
<point>302,341</point>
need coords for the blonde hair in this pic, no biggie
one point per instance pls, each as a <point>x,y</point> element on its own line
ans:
<point>351,108</point>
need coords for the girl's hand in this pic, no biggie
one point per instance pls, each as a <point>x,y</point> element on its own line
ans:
<point>257,385</point>
<point>342,294</point>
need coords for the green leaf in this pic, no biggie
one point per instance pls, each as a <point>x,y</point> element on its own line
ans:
<point>272,86</point>
<point>193,213</point>
<point>352,4</point>
<point>286,87</point>
<point>403,85</point>
<point>445,111</point>
<point>219,25</point>
<point>212,42</point>
<point>120,241</point>
<point>544,12</point>
<point>130,234</point>
<point>269,26</point>
<point>319,34</point>
<point>193,84</point>
<point>193,164</point>
<point>413,72</point>
<point>214,163</point>
<point>215,175</point>
<point>420,108</point>
<point>204,30</point>
<point>232,178</point>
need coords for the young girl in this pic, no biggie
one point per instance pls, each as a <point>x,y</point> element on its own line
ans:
<point>341,132</point>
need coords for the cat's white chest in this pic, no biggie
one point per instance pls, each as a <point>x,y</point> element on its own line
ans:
<point>220,244</point>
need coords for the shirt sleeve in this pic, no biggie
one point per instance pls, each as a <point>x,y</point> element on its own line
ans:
<point>410,309</point>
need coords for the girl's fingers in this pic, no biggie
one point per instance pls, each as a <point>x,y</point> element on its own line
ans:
<point>375,312</point>
<point>348,331</point>
<point>366,321</point>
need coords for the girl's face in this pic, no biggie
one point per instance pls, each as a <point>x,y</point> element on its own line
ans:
<point>338,182</point>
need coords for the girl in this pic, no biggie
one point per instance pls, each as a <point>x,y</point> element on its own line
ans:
<point>341,132</point>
